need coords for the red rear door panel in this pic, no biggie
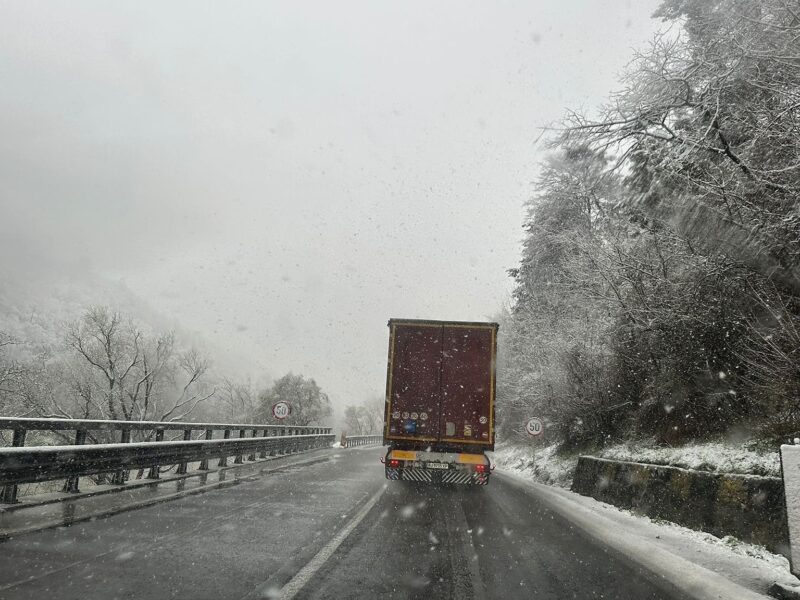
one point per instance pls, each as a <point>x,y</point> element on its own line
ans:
<point>415,383</point>
<point>467,379</point>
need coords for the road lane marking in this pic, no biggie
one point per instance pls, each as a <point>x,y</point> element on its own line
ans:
<point>303,576</point>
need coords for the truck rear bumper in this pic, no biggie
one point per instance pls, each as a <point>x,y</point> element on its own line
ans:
<point>437,476</point>
<point>437,467</point>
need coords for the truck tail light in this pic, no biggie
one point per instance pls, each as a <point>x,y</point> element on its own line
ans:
<point>480,468</point>
<point>394,463</point>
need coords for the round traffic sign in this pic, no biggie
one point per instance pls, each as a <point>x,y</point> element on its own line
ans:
<point>281,410</point>
<point>534,426</point>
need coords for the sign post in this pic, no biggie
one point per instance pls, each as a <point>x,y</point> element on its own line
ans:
<point>281,410</point>
<point>534,426</point>
<point>790,468</point>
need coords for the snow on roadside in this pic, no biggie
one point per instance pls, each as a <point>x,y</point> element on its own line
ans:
<point>747,565</point>
<point>729,544</point>
<point>709,456</point>
<point>540,463</point>
<point>546,465</point>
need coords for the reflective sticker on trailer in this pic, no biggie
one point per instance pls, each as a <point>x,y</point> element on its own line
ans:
<point>404,454</point>
<point>472,459</point>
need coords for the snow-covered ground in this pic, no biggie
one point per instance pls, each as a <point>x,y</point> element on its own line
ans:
<point>538,463</point>
<point>546,465</point>
<point>751,566</point>
<point>699,563</point>
<point>709,456</point>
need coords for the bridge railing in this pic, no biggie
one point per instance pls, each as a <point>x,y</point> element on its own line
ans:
<point>21,464</point>
<point>351,441</point>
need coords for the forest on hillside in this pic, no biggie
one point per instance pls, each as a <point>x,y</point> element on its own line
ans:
<point>658,292</point>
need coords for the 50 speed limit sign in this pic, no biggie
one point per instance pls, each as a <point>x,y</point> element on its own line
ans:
<point>534,426</point>
<point>281,410</point>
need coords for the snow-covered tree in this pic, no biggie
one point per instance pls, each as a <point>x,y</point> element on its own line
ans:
<point>309,404</point>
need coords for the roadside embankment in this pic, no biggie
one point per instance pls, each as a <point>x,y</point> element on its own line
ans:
<point>749,507</point>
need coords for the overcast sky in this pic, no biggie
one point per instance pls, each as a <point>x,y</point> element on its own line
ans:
<point>285,177</point>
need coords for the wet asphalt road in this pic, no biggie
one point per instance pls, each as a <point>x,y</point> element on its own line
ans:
<point>334,529</point>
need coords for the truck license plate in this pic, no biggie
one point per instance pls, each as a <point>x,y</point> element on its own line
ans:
<point>437,466</point>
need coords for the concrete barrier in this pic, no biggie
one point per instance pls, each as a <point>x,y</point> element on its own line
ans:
<point>748,507</point>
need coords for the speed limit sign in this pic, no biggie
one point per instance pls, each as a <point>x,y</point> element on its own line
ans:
<point>534,426</point>
<point>281,410</point>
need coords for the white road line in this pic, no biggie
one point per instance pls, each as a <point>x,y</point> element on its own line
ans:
<point>303,576</point>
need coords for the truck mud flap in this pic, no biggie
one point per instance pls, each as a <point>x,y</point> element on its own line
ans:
<point>456,477</point>
<point>418,475</point>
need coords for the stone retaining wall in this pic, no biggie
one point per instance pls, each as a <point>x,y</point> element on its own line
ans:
<point>748,507</point>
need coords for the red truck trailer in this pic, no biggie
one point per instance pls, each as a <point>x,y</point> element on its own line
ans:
<point>440,390</point>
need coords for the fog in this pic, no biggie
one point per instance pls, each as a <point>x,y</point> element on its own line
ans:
<point>282,178</point>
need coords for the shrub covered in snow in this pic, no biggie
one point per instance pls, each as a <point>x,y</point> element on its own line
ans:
<point>542,463</point>
<point>710,456</point>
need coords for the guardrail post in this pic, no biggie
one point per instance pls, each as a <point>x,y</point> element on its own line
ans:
<point>154,470</point>
<point>253,455</point>
<point>71,485</point>
<point>204,463</point>
<point>275,447</point>
<point>121,477</point>
<point>238,460</point>
<point>264,451</point>
<point>223,461</point>
<point>182,468</point>
<point>9,494</point>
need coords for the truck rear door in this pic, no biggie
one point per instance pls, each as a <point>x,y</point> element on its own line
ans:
<point>467,381</point>
<point>414,380</point>
<point>440,382</point>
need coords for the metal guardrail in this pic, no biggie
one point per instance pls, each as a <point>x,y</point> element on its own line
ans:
<point>45,463</point>
<point>20,464</point>
<point>360,440</point>
<point>25,424</point>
